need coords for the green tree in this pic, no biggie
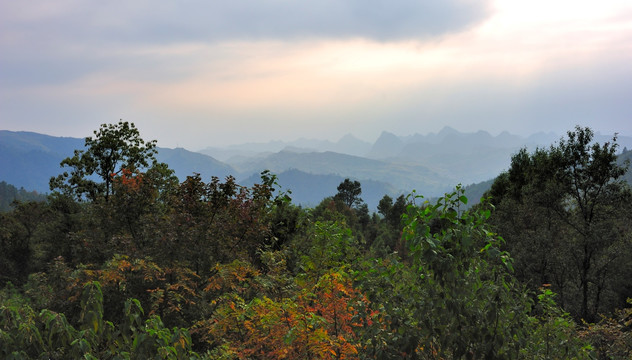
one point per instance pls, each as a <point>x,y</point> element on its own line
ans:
<point>27,334</point>
<point>454,296</point>
<point>392,212</point>
<point>389,227</point>
<point>562,212</point>
<point>114,147</point>
<point>349,193</point>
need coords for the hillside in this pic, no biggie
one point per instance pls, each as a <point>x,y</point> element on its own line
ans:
<point>626,156</point>
<point>348,144</point>
<point>404,177</point>
<point>9,193</point>
<point>309,190</point>
<point>29,159</point>
<point>185,163</point>
<point>431,163</point>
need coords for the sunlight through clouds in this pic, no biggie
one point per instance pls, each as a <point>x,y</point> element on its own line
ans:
<point>191,67</point>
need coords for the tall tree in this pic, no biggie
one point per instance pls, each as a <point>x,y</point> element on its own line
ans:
<point>349,192</point>
<point>560,211</point>
<point>114,147</point>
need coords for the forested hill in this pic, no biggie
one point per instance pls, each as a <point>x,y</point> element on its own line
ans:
<point>626,158</point>
<point>9,193</point>
<point>29,159</point>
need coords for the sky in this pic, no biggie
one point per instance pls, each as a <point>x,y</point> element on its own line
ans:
<point>198,73</point>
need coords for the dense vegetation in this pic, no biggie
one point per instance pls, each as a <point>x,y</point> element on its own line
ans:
<point>123,261</point>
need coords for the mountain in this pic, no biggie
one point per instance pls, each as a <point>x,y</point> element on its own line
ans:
<point>386,146</point>
<point>460,157</point>
<point>348,144</point>
<point>351,145</point>
<point>185,163</point>
<point>431,164</point>
<point>474,192</point>
<point>9,193</point>
<point>626,158</point>
<point>30,159</point>
<point>310,189</point>
<point>402,176</point>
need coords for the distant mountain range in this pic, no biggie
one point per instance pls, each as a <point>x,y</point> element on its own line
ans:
<point>432,164</point>
<point>310,189</point>
<point>312,169</point>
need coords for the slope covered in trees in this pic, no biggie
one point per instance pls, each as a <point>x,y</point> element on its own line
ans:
<point>9,194</point>
<point>155,267</point>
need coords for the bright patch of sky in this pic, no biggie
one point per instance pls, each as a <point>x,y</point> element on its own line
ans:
<point>200,74</point>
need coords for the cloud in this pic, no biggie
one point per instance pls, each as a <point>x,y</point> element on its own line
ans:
<point>48,43</point>
<point>168,21</point>
<point>227,71</point>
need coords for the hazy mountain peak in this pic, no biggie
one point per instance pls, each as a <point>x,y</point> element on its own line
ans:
<point>387,145</point>
<point>388,136</point>
<point>483,133</point>
<point>447,130</point>
<point>348,137</point>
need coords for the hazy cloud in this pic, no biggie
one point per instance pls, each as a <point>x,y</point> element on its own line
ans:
<point>166,21</point>
<point>193,73</point>
<point>52,42</point>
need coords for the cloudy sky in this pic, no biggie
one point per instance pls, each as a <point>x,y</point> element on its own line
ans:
<point>199,73</point>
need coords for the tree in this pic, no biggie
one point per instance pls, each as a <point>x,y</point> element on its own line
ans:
<point>392,212</point>
<point>562,212</point>
<point>349,192</point>
<point>385,205</point>
<point>114,147</point>
<point>454,295</point>
<point>29,334</point>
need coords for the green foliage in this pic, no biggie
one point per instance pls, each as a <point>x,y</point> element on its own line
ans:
<point>239,272</point>
<point>389,228</point>
<point>563,212</point>
<point>115,147</point>
<point>26,334</point>
<point>330,245</point>
<point>479,308</point>
<point>349,193</point>
<point>553,332</point>
<point>455,295</point>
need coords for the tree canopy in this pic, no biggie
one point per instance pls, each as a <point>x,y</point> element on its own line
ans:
<point>563,211</point>
<point>349,192</point>
<point>210,269</point>
<point>115,147</point>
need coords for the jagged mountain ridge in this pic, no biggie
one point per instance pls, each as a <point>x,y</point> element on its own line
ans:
<point>348,144</point>
<point>431,164</point>
<point>451,156</point>
<point>403,177</point>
